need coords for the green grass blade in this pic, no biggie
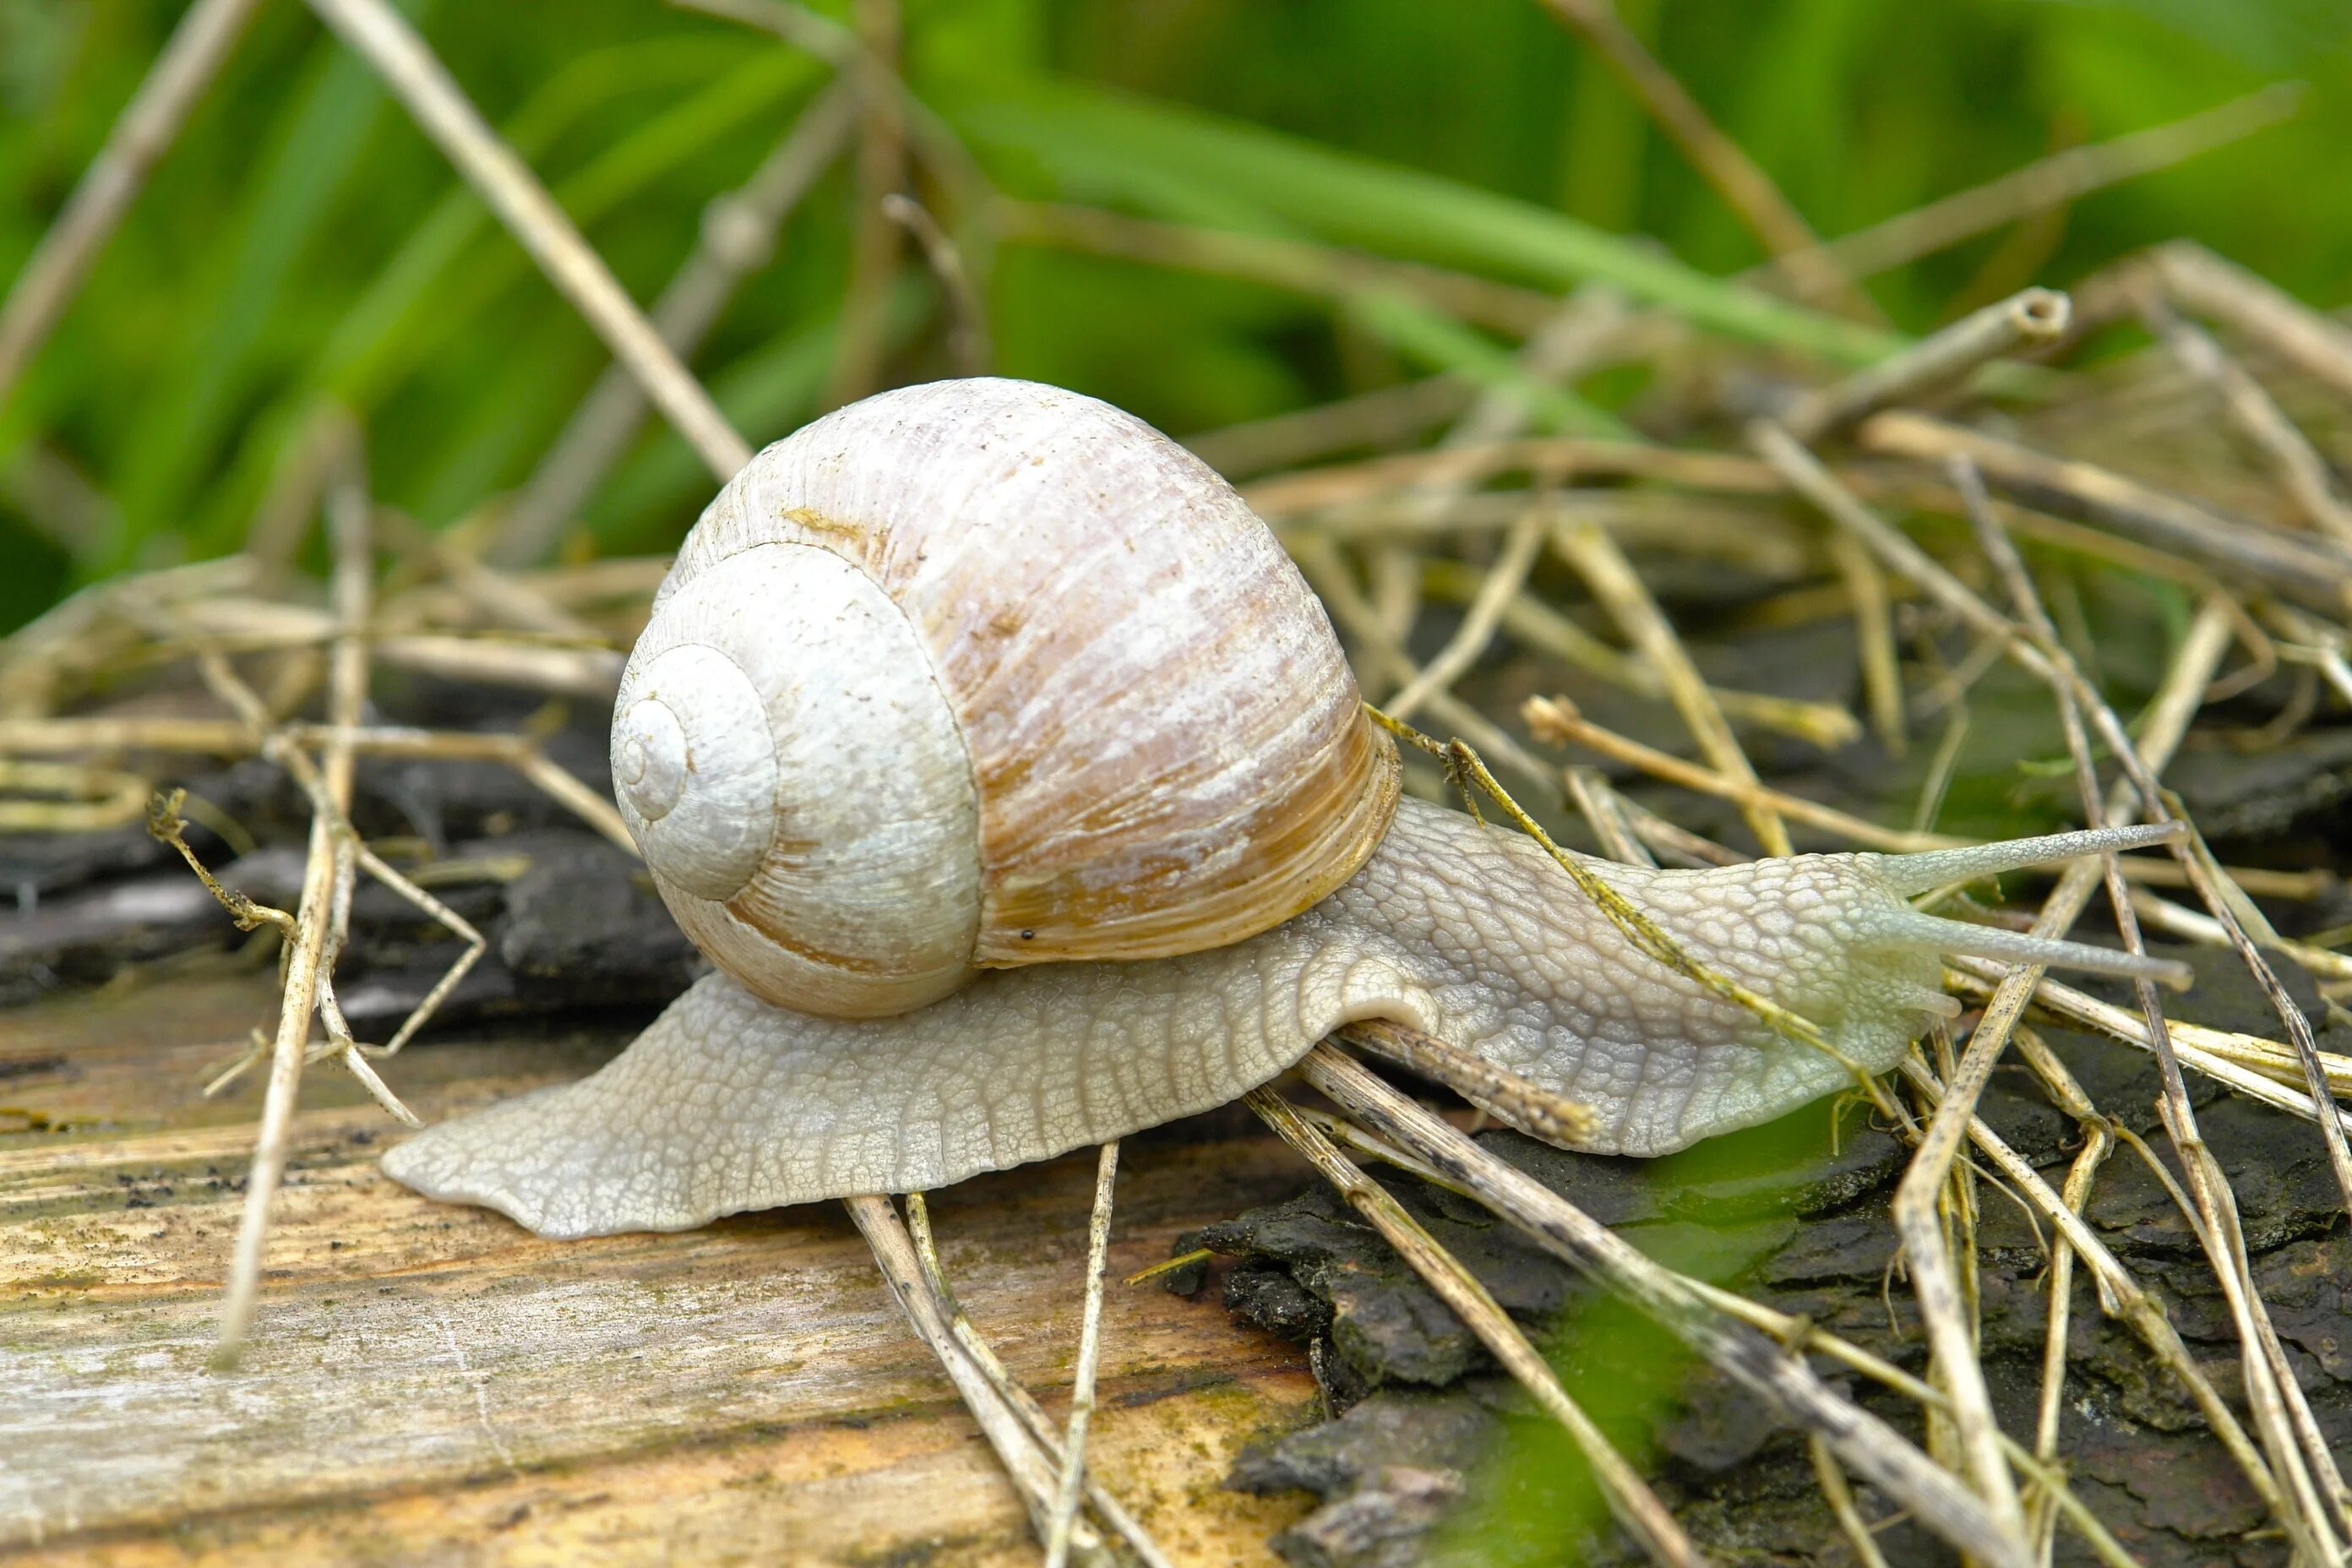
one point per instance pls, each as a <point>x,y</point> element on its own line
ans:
<point>1102,146</point>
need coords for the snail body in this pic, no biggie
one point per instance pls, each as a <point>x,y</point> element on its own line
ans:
<point>1108,849</point>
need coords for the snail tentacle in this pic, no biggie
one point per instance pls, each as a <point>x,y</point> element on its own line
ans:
<point>1465,931</point>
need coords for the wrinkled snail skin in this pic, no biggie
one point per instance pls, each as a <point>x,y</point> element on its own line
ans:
<point>1012,778</point>
<point>1466,930</point>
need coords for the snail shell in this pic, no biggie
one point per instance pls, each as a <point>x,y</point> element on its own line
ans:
<point>980,674</point>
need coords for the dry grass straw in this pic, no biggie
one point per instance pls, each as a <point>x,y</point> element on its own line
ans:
<point>1033,1419</point>
<point>1030,1461</point>
<point>324,898</point>
<point>2313,571</point>
<point>1630,1498</point>
<point>1618,588</point>
<point>2290,1469</point>
<point>1744,186</point>
<point>2033,317</point>
<point>1072,1484</point>
<point>2301,471</point>
<point>1779,1379</point>
<point>968,337</point>
<point>738,235</point>
<point>1495,1089</point>
<point>386,41</point>
<point>2052,183</point>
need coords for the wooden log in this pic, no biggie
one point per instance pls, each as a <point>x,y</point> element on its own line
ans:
<point>432,1384</point>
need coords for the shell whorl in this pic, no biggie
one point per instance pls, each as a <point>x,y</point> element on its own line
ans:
<point>979,674</point>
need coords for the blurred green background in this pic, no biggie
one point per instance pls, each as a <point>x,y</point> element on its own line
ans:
<point>303,245</point>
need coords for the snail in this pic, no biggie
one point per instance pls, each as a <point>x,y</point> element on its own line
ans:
<point>1016,786</point>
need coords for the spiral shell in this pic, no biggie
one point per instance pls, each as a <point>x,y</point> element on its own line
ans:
<point>979,674</point>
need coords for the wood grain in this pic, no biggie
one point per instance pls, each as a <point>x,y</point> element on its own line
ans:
<point>434,1384</point>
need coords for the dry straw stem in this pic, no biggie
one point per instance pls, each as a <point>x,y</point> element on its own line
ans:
<point>504,599</point>
<point>2054,182</point>
<point>346,695</point>
<point>53,274</point>
<point>2315,643</point>
<point>967,340</point>
<point>1562,458</point>
<point>1025,1461</point>
<point>2033,316</point>
<point>881,169</point>
<point>237,738</point>
<point>1556,721</point>
<point>611,579</point>
<point>326,438</point>
<point>1570,341</point>
<point>1619,589</point>
<point>1797,1334</point>
<point>2098,1143</point>
<point>575,672</point>
<point>35,656</point>
<point>1630,1498</point>
<point>2120,1295</point>
<point>2221,904</point>
<point>1925,1245</point>
<point>2259,1068</point>
<point>1603,810</point>
<point>1812,480</point>
<point>52,494</point>
<point>1495,1089</point>
<point>1744,186</point>
<point>1041,1426</point>
<point>1385,416</point>
<point>1501,584</point>
<point>2007,1003</point>
<point>1071,1486</point>
<point>2301,471</point>
<point>2314,571</point>
<point>1781,1380</point>
<point>164,822</point>
<point>1858,1538</point>
<point>1377,650</point>
<point>382,36</point>
<point>929,137</point>
<point>67,798</point>
<point>1542,629</point>
<point>2290,1431</point>
<point>1873,629</point>
<point>2201,281</point>
<point>737,234</point>
<point>578,664</point>
<point>1377,653</point>
<point>2177,920</point>
<point>1358,500</point>
<point>1661,836</point>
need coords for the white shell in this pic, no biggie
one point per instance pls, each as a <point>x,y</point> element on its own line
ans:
<point>1016,679</point>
